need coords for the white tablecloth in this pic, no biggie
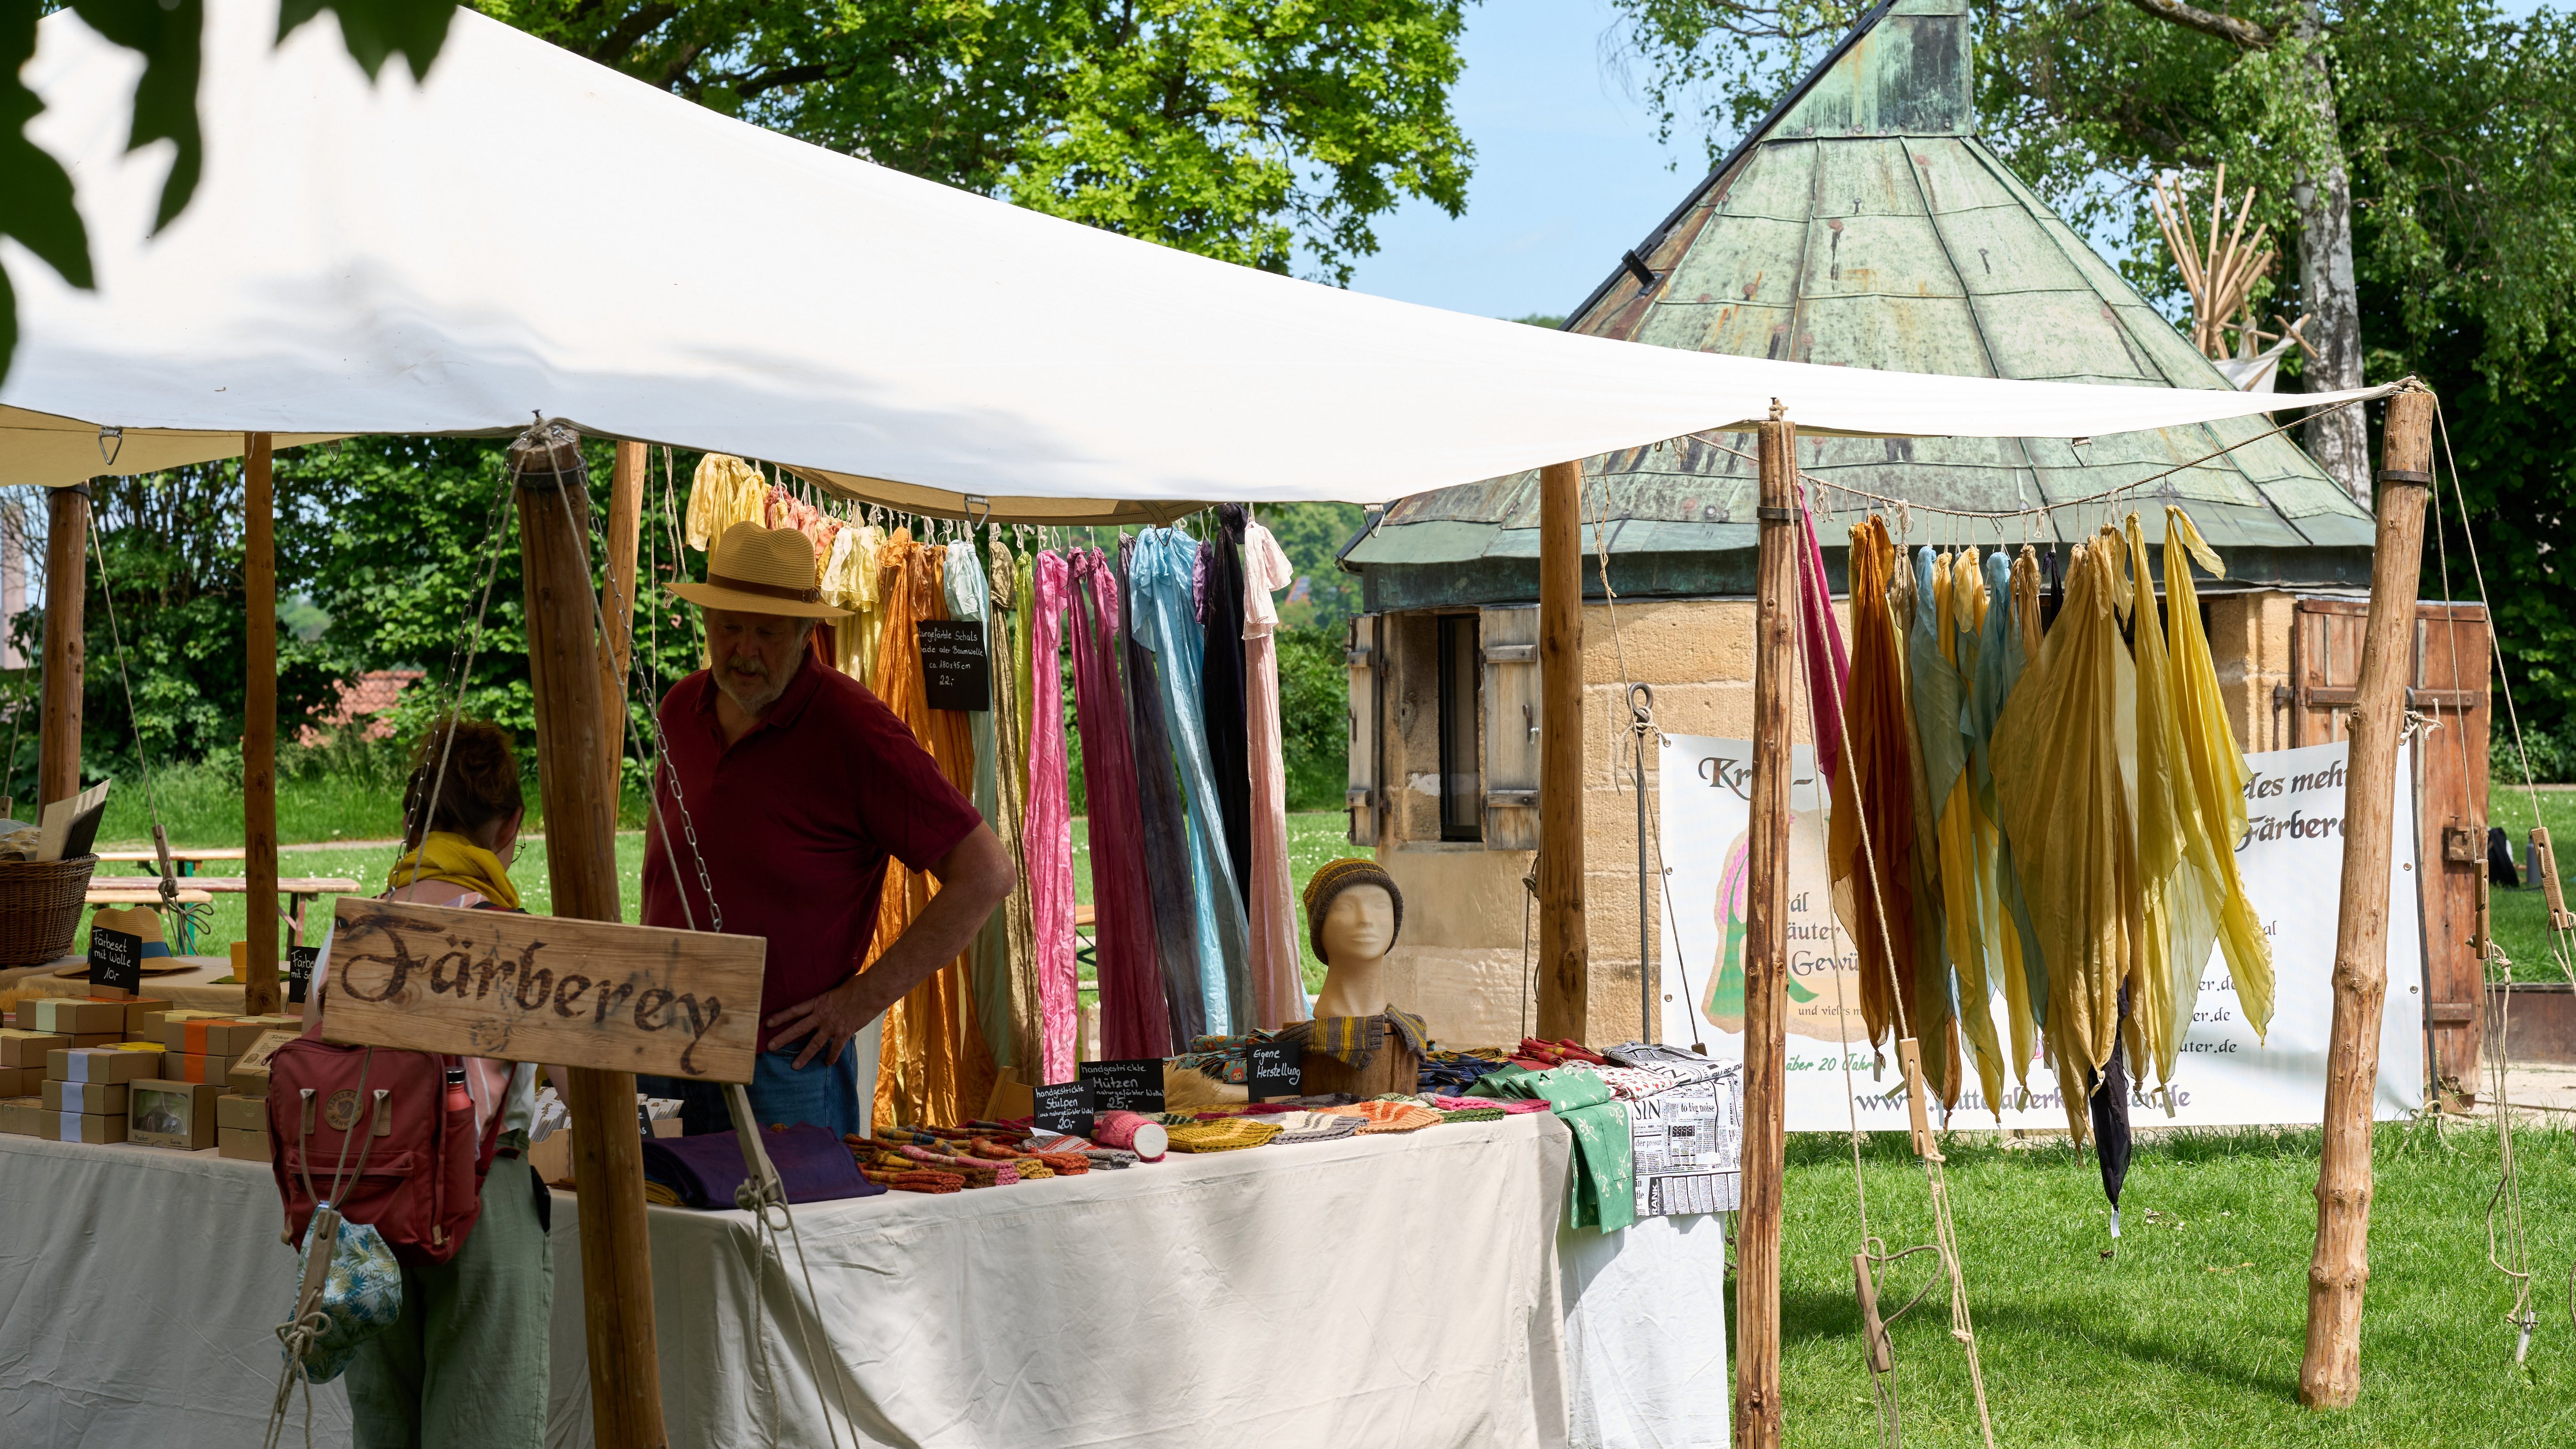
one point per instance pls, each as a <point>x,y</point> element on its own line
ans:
<point>1404,1291</point>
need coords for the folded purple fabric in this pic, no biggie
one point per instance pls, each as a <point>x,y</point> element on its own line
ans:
<point>812,1164</point>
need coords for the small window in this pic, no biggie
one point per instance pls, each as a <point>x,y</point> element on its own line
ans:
<point>1461,678</point>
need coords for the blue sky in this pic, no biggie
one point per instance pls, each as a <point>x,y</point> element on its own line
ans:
<point>1567,172</point>
<point>1567,175</point>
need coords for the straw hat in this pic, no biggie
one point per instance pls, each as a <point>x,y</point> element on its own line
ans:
<point>142,921</point>
<point>761,571</point>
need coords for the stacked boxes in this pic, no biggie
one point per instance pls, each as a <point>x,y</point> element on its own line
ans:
<point>70,1072</point>
<point>241,1126</point>
<point>22,1059</point>
<point>79,1016</point>
<point>202,1049</point>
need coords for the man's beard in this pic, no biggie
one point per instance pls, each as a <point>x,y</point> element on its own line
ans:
<point>752,699</point>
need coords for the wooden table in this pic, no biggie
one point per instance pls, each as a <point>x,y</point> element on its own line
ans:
<point>299,890</point>
<point>117,895</point>
<point>186,861</point>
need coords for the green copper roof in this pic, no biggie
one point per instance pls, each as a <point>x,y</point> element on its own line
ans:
<point>1865,225</point>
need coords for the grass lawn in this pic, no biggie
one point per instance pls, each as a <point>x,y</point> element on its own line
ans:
<point>2520,918</point>
<point>2192,1334</point>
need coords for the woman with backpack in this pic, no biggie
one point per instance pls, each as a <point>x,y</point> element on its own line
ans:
<point>466,1363</point>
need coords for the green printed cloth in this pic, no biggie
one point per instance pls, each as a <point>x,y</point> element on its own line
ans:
<point>1605,1194</point>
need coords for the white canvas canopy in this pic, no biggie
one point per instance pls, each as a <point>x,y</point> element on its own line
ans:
<point>530,233</point>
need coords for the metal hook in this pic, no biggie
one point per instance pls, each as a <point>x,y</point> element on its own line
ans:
<point>106,433</point>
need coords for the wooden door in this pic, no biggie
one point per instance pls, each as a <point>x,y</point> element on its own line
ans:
<point>1508,642</point>
<point>1364,796</point>
<point>2448,686</point>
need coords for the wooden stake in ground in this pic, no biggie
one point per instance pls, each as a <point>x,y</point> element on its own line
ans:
<point>1766,953</point>
<point>2330,1375</point>
<point>259,723</point>
<point>624,526</point>
<point>1564,948</point>
<point>66,648</point>
<point>608,1151</point>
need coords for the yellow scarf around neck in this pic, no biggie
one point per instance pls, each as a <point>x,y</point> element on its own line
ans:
<point>445,855</point>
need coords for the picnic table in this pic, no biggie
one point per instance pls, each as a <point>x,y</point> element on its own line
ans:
<point>186,861</point>
<point>98,895</point>
<point>299,890</point>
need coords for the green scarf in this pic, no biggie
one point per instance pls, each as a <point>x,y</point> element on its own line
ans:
<point>450,857</point>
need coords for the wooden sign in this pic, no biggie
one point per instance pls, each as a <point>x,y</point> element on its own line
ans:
<point>543,989</point>
<point>1063,1107</point>
<point>955,671</point>
<point>115,962</point>
<point>1135,1086</point>
<point>1273,1069</point>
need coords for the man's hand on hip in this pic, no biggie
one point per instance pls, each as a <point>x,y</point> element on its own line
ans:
<point>827,1022</point>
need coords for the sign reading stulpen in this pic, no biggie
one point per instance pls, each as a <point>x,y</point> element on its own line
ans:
<point>543,989</point>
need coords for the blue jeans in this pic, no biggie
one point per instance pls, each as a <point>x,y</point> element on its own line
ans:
<point>826,1094</point>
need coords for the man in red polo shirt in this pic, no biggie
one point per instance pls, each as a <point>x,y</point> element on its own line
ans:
<point>785,787</point>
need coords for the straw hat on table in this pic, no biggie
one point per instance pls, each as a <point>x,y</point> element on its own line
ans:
<point>756,570</point>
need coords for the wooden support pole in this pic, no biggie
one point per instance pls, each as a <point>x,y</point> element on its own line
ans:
<point>624,524</point>
<point>608,1150</point>
<point>2330,1375</point>
<point>1564,949</point>
<point>66,645</point>
<point>1766,953</point>
<point>259,723</point>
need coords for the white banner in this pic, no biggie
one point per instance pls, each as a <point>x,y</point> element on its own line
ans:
<point>2291,862</point>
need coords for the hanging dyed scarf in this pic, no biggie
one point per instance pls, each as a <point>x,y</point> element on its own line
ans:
<point>1873,877</point>
<point>1133,1023</point>
<point>989,958</point>
<point>1932,677</point>
<point>1010,734</point>
<point>1222,704</point>
<point>1278,982</point>
<point>1049,842</point>
<point>2012,616</point>
<point>932,1063</point>
<point>2175,875</point>
<point>1165,823</point>
<point>1828,670</point>
<point>2218,772</point>
<point>723,491</point>
<point>1167,623</point>
<point>2065,808</point>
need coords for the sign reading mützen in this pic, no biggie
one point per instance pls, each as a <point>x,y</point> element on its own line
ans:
<point>955,671</point>
<point>1125,1086</point>
<point>544,989</point>
<point>1272,1069</point>
<point>115,961</point>
<point>1063,1107</point>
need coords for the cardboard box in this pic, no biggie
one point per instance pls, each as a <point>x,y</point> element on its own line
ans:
<point>137,1046</point>
<point>244,1081</point>
<point>23,1117</point>
<point>139,1011</point>
<point>79,1015</point>
<point>212,1036</point>
<point>244,1144</point>
<point>25,1047</point>
<point>82,1126</point>
<point>153,1021</point>
<point>102,1064</point>
<point>84,1097</point>
<point>97,1038</point>
<point>262,1050</point>
<point>21,1081</point>
<point>242,1113</point>
<point>177,1115</point>
<point>552,1158</point>
<point>194,1069</point>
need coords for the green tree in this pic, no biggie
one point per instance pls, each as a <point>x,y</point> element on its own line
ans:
<point>1240,129</point>
<point>1313,536</point>
<point>2421,145</point>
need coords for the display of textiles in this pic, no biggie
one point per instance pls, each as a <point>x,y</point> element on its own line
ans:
<point>2044,816</point>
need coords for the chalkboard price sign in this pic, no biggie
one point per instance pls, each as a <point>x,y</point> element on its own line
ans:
<point>115,961</point>
<point>1273,1069</point>
<point>300,961</point>
<point>1125,1086</point>
<point>1064,1107</point>
<point>955,672</point>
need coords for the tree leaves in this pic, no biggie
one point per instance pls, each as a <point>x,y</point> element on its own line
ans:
<point>375,30</point>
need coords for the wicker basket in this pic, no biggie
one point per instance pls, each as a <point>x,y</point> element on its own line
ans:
<point>40,908</point>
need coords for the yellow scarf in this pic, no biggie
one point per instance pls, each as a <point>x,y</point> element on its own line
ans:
<point>450,857</point>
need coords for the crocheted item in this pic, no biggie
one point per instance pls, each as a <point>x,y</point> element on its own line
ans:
<point>1336,877</point>
<point>1230,1136</point>
<point>1314,1127</point>
<point>916,1181</point>
<point>1475,1114</point>
<point>1398,1116</point>
<point>661,1194</point>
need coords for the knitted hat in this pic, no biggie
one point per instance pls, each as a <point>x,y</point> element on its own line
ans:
<point>1336,877</point>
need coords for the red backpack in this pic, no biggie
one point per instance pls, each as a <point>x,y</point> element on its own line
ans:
<point>385,1136</point>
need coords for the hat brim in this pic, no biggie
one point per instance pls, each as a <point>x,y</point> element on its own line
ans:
<point>716,596</point>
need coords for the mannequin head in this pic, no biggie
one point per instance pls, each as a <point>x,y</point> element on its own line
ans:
<point>1358,926</point>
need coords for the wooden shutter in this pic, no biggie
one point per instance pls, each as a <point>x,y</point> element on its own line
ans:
<point>1508,639</point>
<point>2448,683</point>
<point>1364,797</point>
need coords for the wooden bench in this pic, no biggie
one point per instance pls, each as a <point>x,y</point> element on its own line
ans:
<point>185,861</point>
